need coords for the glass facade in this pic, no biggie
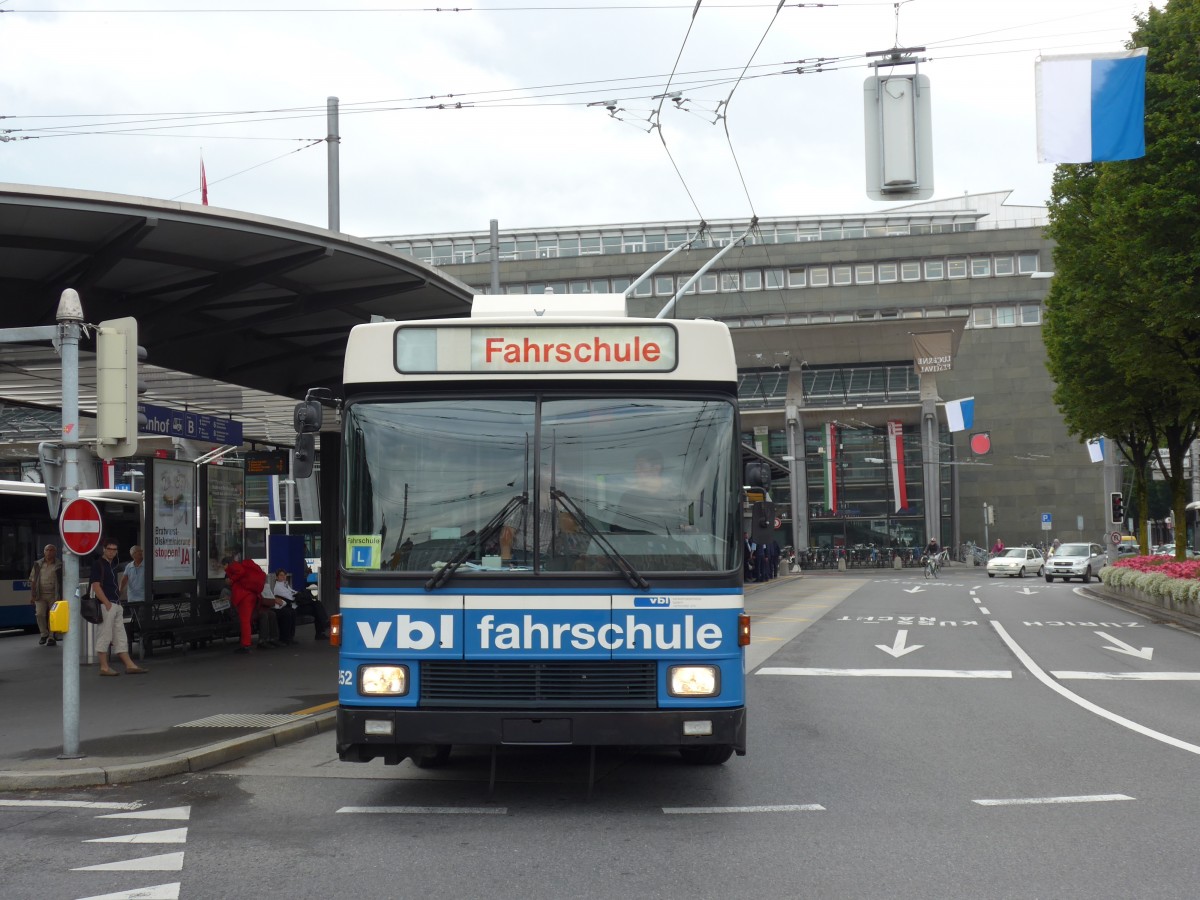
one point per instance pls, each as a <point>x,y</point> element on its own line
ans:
<point>869,517</point>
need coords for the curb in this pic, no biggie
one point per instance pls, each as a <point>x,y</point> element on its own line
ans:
<point>1149,610</point>
<point>195,760</point>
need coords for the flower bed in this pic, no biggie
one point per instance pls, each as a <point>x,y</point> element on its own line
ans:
<point>1157,579</point>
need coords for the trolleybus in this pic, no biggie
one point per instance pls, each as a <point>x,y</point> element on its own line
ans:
<point>542,534</point>
<point>26,527</point>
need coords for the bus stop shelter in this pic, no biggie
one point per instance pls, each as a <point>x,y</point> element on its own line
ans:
<point>239,314</point>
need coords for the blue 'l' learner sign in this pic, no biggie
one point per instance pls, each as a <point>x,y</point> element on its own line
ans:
<point>363,551</point>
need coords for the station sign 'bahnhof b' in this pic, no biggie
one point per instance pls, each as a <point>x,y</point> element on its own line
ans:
<point>166,422</point>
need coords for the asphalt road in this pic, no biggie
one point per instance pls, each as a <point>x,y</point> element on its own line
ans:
<point>969,738</point>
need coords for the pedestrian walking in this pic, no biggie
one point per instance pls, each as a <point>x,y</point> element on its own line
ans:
<point>45,587</point>
<point>110,633</point>
<point>133,577</point>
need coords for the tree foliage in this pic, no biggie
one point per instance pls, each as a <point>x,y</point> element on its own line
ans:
<point>1122,328</point>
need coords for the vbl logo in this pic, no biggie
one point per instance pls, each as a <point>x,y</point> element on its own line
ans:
<point>651,601</point>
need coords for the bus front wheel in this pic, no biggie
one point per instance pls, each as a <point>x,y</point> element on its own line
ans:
<point>707,754</point>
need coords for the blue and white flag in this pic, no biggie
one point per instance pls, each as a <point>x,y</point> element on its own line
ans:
<point>960,414</point>
<point>1091,107</point>
<point>1096,449</point>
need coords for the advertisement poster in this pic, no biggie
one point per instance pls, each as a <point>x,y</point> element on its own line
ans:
<point>173,493</point>
<point>226,504</point>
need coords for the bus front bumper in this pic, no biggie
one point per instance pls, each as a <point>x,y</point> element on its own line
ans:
<point>364,734</point>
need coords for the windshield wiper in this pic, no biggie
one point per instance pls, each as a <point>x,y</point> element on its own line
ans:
<point>632,575</point>
<point>485,534</point>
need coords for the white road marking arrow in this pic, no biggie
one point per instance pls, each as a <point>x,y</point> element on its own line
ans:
<point>917,590</point>
<point>1026,591</point>
<point>1144,653</point>
<point>174,812</point>
<point>165,862</point>
<point>170,836</point>
<point>898,649</point>
<point>157,892</point>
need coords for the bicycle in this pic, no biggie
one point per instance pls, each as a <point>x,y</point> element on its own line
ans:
<point>931,566</point>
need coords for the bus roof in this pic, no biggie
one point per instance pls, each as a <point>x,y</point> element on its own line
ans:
<point>37,489</point>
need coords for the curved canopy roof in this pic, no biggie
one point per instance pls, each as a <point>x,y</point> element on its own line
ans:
<point>253,309</point>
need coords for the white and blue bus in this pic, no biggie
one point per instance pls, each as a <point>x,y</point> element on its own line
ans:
<point>26,527</point>
<point>540,510</point>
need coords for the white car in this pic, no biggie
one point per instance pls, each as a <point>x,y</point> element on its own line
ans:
<point>1082,561</point>
<point>1016,561</point>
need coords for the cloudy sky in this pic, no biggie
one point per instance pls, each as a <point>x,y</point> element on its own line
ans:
<point>498,109</point>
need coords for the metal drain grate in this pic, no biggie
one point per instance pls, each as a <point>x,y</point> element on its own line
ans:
<point>237,720</point>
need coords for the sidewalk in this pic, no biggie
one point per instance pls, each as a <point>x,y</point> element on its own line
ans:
<point>192,711</point>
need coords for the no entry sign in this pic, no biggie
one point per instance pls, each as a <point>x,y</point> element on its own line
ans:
<point>80,526</point>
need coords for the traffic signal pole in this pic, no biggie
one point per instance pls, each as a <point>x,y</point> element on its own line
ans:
<point>1112,484</point>
<point>70,325</point>
<point>65,337</point>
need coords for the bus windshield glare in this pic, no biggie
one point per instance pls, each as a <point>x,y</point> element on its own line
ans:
<point>543,484</point>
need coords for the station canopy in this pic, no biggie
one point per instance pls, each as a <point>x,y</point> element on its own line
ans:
<point>239,314</point>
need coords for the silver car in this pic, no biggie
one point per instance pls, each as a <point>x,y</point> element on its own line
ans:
<point>1082,561</point>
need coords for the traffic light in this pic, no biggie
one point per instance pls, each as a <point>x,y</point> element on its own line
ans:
<point>762,520</point>
<point>117,387</point>
<point>1117,512</point>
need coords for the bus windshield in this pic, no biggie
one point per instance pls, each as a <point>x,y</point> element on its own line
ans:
<point>545,483</point>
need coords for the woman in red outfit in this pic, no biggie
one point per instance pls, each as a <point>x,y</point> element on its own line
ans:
<point>246,581</point>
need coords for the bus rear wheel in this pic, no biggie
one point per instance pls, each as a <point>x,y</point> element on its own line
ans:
<point>706,754</point>
<point>430,756</point>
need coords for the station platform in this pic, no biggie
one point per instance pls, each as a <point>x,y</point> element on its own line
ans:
<point>193,710</point>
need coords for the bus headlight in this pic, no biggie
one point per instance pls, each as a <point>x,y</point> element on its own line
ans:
<point>693,681</point>
<point>390,680</point>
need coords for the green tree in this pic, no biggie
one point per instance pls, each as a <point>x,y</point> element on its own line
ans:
<point>1123,312</point>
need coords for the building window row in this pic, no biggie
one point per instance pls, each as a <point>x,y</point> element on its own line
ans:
<point>831,386</point>
<point>795,277</point>
<point>1004,316</point>
<point>469,249</point>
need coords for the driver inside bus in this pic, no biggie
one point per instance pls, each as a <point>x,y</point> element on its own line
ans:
<point>646,507</point>
<point>560,539</point>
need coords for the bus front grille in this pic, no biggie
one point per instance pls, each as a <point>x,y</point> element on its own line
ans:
<point>598,684</point>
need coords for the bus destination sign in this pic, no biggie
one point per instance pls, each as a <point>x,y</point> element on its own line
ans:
<point>529,348</point>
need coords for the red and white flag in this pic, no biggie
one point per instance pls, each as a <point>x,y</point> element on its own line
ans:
<point>203,184</point>
<point>895,448</point>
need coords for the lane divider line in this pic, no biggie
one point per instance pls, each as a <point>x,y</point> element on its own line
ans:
<point>891,673</point>
<point>719,810</point>
<point>1127,676</point>
<point>428,810</point>
<point>69,804</point>
<point>1040,675</point>
<point>1027,801</point>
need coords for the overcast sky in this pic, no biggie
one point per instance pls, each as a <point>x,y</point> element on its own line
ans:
<point>86,80</point>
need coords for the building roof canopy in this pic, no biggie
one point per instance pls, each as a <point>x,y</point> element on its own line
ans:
<point>253,309</point>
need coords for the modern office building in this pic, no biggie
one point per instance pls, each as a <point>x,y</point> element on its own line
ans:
<point>852,333</point>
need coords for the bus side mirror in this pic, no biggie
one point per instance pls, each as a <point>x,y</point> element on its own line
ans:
<point>304,455</point>
<point>307,417</point>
